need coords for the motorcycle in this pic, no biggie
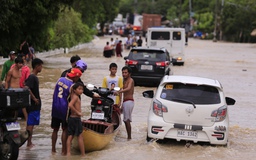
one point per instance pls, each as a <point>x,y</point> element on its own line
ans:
<point>101,108</point>
<point>10,136</point>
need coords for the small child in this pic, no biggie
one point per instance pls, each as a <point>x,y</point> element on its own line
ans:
<point>75,127</point>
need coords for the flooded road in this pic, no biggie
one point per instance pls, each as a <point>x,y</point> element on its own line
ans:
<point>232,64</point>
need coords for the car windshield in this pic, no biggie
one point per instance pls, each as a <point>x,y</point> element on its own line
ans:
<point>196,94</point>
<point>148,55</point>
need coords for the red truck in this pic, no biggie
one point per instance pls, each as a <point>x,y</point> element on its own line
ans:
<point>150,20</point>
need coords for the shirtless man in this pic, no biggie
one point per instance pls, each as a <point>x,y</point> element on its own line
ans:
<point>128,101</point>
<point>25,72</point>
<point>14,75</point>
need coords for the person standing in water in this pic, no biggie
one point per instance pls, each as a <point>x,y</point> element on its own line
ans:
<point>128,100</point>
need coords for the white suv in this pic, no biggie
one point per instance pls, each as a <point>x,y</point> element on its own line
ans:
<point>189,108</point>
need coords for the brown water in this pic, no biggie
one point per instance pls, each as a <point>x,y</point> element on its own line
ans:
<point>232,64</point>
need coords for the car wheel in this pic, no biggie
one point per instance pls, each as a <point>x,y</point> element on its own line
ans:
<point>148,138</point>
<point>161,141</point>
<point>169,72</point>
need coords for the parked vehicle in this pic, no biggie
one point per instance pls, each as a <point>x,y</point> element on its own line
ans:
<point>137,25</point>
<point>150,20</point>
<point>104,123</point>
<point>10,137</point>
<point>189,108</point>
<point>148,64</point>
<point>173,39</point>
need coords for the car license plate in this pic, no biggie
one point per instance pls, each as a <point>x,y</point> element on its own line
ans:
<point>12,126</point>
<point>97,115</point>
<point>146,67</point>
<point>186,133</point>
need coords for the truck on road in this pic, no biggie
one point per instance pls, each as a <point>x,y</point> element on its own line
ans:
<point>150,20</point>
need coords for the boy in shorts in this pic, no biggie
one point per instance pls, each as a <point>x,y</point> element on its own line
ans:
<point>75,127</point>
<point>33,111</point>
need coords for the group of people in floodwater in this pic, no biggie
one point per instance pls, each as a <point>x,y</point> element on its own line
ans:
<point>16,76</point>
<point>68,87</point>
<point>117,45</point>
<point>66,105</point>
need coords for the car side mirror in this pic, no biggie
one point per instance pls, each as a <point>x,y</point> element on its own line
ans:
<point>125,58</point>
<point>148,94</point>
<point>230,101</point>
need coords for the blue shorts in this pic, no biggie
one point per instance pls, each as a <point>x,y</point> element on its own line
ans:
<point>33,118</point>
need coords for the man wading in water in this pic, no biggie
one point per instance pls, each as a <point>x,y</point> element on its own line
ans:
<point>128,101</point>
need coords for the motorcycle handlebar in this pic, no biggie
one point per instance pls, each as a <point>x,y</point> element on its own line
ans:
<point>102,91</point>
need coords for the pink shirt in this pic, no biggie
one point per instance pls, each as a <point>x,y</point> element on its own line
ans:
<point>25,72</point>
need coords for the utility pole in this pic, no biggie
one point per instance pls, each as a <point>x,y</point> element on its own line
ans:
<point>215,22</point>
<point>190,9</point>
<point>180,12</point>
<point>221,12</point>
<point>190,15</point>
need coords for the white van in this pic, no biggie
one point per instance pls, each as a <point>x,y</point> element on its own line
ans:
<point>173,39</point>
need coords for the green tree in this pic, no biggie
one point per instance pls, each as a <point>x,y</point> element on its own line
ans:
<point>205,22</point>
<point>126,7</point>
<point>238,20</point>
<point>27,19</point>
<point>97,11</point>
<point>69,30</point>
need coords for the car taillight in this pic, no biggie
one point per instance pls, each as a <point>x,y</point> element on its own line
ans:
<point>99,102</point>
<point>158,108</point>
<point>219,114</point>
<point>131,62</point>
<point>162,64</point>
<point>137,28</point>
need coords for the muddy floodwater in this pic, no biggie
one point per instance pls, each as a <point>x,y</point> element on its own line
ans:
<point>232,64</point>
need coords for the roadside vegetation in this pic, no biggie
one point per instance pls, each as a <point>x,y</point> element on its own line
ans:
<point>64,23</point>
